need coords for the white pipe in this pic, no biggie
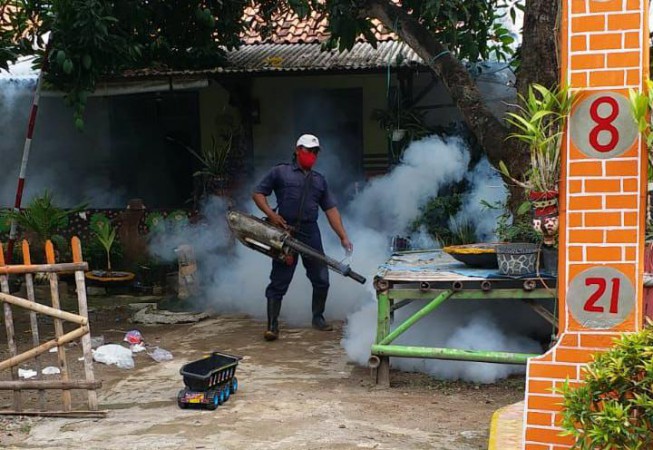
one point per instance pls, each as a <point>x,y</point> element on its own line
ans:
<point>139,87</point>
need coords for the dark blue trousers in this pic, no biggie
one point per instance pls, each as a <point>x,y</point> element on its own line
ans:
<point>316,271</point>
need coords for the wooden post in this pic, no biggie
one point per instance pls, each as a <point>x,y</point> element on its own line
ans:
<point>48,384</point>
<point>34,324</point>
<point>83,311</point>
<point>605,52</point>
<point>53,312</point>
<point>58,326</point>
<point>56,342</point>
<point>9,326</point>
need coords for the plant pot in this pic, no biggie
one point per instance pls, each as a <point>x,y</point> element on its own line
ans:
<point>549,260</point>
<point>545,215</point>
<point>517,259</point>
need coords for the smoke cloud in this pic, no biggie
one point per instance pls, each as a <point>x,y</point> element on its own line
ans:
<point>121,154</point>
<point>235,279</point>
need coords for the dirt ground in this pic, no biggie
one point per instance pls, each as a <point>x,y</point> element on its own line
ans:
<point>297,393</point>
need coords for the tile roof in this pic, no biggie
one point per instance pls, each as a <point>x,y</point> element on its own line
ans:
<point>288,28</point>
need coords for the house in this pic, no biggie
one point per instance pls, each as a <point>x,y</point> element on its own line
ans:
<point>274,88</point>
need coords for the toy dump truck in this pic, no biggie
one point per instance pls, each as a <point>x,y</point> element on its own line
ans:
<point>209,382</point>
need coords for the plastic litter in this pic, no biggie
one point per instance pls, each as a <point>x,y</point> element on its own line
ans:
<point>137,348</point>
<point>114,354</point>
<point>27,373</point>
<point>53,350</point>
<point>160,355</point>
<point>50,370</point>
<point>133,337</point>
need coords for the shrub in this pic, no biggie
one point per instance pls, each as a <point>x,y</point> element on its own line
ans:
<point>614,408</point>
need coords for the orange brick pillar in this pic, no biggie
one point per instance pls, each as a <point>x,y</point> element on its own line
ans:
<point>602,196</point>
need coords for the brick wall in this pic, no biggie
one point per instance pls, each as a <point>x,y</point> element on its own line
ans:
<point>604,53</point>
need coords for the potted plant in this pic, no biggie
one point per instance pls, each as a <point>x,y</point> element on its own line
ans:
<point>105,235</point>
<point>219,160</point>
<point>105,238</point>
<point>41,221</point>
<point>539,122</point>
<point>403,125</point>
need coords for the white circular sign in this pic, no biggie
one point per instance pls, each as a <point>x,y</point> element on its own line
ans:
<point>602,125</point>
<point>600,297</point>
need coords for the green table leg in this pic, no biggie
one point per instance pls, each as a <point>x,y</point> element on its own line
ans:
<point>382,375</point>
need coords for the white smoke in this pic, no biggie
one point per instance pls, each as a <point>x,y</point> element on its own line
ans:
<point>73,166</point>
<point>486,186</point>
<point>465,327</point>
<point>392,202</point>
<point>235,280</point>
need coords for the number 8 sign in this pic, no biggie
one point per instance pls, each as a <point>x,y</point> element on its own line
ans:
<point>600,297</point>
<point>602,125</point>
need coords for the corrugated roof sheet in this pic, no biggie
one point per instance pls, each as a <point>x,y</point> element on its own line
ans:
<point>266,58</point>
<point>288,57</point>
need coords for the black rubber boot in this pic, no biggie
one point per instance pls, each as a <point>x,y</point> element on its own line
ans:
<point>319,303</point>
<point>274,307</point>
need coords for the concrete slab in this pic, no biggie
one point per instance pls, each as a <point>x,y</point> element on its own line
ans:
<point>506,429</point>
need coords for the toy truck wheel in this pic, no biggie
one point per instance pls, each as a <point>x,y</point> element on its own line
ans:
<point>234,385</point>
<point>227,392</point>
<point>180,397</point>
<point>212,405</point>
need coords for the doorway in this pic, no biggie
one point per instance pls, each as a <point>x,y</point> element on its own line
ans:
<point>335,117</point>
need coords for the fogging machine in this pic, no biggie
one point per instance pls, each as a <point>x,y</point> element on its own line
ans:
<point>278,244</point>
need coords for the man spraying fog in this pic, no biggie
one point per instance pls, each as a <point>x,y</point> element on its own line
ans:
<point>299,191</point>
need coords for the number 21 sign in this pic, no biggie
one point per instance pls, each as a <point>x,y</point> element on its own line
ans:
<point>600,297</point>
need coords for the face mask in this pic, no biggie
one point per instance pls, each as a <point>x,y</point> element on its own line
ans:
<point>306,159</point>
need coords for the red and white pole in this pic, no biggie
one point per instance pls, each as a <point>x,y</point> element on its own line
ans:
<point>23,166</point>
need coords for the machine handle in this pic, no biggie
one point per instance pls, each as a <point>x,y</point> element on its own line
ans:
<point>305,250</point>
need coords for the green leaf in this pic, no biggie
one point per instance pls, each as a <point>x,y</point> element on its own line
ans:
<point>86,61</point>
<point>524,208</point>
<point>61,57</point>
<point>68,66</point>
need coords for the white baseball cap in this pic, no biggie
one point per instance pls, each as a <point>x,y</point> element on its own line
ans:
<point>308,141</point>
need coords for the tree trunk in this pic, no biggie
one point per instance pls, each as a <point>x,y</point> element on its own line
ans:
<point>540,51</point>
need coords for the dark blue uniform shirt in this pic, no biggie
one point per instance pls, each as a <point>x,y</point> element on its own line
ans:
<point>287,183</point>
